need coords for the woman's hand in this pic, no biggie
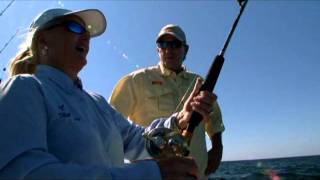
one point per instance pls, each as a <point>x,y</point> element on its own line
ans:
<point>176,167</point>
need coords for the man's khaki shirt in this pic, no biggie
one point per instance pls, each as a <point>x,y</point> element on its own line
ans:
<point>154,92</point>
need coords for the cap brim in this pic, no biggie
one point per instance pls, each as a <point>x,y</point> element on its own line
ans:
<point>172,34</point>
<point>94,19</point>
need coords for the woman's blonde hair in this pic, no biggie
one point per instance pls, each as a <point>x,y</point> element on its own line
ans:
<point>26,61</point>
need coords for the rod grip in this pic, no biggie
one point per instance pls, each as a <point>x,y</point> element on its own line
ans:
<point>208,85</point>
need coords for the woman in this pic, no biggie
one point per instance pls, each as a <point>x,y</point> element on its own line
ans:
<point>52,128</point>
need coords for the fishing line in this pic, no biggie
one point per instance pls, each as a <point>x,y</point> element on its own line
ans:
<point>3,48</point>
<point>8,42</point>
<point>5,9</point>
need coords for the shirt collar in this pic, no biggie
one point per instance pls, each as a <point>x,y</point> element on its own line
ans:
<point>167,72</point>
<point>59,78</point>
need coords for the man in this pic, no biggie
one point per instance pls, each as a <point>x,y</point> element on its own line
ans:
<point>158,91</point>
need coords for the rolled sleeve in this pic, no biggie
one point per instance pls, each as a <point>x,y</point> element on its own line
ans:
<point>215,124</point>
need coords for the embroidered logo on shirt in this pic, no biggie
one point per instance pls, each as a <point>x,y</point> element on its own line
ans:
<point>62,113</point>
<point>61,107</point>
<point>157,82</point>
<point>66,115</point>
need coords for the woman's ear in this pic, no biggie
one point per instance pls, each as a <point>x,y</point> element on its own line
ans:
<point>41,39</point>
<point>41,44</point>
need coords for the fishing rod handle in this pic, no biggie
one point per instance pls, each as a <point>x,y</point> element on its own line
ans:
<point>213,74</point>
<point>208,85</point>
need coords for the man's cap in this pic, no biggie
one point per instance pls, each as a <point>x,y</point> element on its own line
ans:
<point>173,30</point>
<point>94,19</point>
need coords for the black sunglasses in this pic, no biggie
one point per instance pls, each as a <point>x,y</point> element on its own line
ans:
<point>71,26</point>
<point>170,44</point>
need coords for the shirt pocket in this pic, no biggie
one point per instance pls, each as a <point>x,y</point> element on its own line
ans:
<point>161,99</point>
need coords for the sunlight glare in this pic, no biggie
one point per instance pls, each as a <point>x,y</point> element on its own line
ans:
<point>125,56</point>
<point>60,4</point>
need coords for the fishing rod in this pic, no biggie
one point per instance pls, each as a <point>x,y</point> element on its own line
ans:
<point>164,142</point>
<point>213,75</point>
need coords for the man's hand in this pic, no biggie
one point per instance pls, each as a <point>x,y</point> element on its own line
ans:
<point>176,167</point>
<point>201,102</point>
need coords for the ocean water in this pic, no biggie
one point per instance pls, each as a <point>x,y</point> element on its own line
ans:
<point>293,168</point>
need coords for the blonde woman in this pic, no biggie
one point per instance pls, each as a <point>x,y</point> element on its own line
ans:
<point>51,128</point>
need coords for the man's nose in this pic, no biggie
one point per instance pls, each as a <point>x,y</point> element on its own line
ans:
<point>168,49</point>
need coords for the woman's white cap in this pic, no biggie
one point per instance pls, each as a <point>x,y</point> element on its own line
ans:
<point>94,19</point>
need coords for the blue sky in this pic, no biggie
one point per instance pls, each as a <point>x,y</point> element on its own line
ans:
<point>268,88</point>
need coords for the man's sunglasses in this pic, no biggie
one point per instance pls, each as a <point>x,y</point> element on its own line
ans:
<point>170,44</point>
<point>71,26</point>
